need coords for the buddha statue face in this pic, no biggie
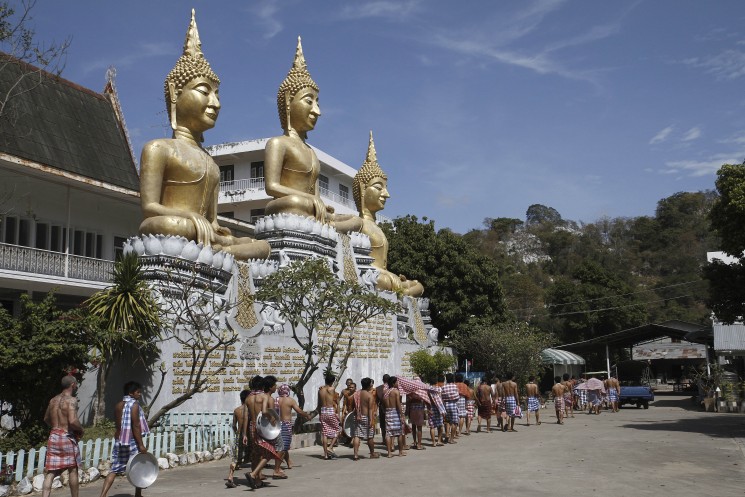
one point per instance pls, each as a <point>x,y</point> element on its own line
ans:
<point>197,104</point>
<point>304,110</point>
<point>375,194</point>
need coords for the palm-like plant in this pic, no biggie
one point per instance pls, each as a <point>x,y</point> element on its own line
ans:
<point>130,318</point>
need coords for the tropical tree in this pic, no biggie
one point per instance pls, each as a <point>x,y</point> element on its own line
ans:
<point>322,312</point>
<point>130,320</point>
<point>37,349</point>
<point>727,293</point>
<point>459,281</point>
<point>509,346</point>
<point>428,366</point>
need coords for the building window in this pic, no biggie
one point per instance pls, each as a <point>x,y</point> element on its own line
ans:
<point>24,232</point>
<point>227,173</point>
<point>256,214</point>
<point>119,247</point>
<point>42,236</point>
<point>257,169</point>
<point>323,183</point>
<point>78,242</point>
<point>344,192</point>
<point>10,230</point>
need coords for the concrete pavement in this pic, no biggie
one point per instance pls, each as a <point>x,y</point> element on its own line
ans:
<point>671,449</point>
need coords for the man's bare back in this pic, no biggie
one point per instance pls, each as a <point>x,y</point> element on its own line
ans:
<point>531,389</point>
<point>558,390</point>
<point>393,399</point>
<point>367,403</point>
<point>62,414</point>
<point>509,388</point>
<point>326,397</point>
<point>286,406</point>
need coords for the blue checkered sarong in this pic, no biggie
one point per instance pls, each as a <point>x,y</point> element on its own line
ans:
<point>533,404</point>
<point>462,411</point>
<point>510,404</point>
<point>612,395</point>
<point>451,410</point>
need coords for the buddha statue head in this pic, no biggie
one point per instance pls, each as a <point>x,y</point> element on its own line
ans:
<point>192,69</point>
<point>370,184</point>
<point>297,97</point>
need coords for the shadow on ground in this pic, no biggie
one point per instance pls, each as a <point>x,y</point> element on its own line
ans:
<point>715,425</point>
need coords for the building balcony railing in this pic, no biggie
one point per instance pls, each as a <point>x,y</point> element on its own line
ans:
<point>38,261</point>
<point>239,187</point>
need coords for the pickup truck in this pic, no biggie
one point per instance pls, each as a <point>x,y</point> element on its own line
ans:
<point>639,395</point>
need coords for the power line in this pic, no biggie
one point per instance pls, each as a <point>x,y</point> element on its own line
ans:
<point>613,296</point>
<point>590,311</point>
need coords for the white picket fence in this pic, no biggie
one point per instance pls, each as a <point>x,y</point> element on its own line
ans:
<point>201,431</point>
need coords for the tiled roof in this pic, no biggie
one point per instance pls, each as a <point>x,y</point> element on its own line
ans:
<point>56,123</point>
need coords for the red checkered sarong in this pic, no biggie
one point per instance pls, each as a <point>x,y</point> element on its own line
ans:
<point>329,422</point>
<point>265,447</point>
<point>62,451</point>
<point>393,426</point>
<point>559,403</point>
<point>470,407</point>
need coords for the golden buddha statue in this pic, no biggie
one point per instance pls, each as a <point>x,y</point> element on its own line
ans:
<point>370,189</point>
<point>291,167</point>
<point>179,180</point>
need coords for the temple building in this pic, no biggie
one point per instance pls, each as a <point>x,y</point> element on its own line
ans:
<point>69,194</point>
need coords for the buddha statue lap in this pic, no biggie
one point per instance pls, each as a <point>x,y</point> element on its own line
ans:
<point>179,180</point>
<point>370,189</point>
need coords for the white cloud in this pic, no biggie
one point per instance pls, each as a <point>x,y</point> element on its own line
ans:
<point>728,65</point>
<point>691,134</point>
<point>661,136</point>
<point>266,13</point>
<point>383,9</point>
<point>142,51</point>
<point>704,167</point>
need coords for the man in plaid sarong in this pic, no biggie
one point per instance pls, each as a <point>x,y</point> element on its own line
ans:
<point>393,418</point>
<point>558,393</point>
<point>512,400</point>
<point>364,427</point>
<point>62,446</point>
<point>267,449</point>
<point>484,394</point>
<point>534,400</point>
<point>285,405</point>
<point>450,398</point>
<point>434,416</point>
<point>240,418</point>
<point>131,426</point>
<point>330,423</point>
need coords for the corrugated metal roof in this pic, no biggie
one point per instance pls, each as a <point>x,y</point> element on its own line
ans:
<point>56,123</point>
<point>729,337</point>
<point>555,356</point>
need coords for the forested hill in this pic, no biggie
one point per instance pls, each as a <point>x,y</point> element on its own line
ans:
<point>578,280</point>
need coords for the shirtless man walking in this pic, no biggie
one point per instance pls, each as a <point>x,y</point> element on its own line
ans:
<point>364,427</point>
<point>62,446</point>
<point>484,394</point>
<point>568,396</point>
<point>240,418</point>
<point>558,393</point>
<point>511,400</point>
<point>379,396</point>
<point>286,405</point>
<point>261,403</point>
<point>330,423</point>
<point>614,392</point>
<point>534,400</point>
<point>393,423</point>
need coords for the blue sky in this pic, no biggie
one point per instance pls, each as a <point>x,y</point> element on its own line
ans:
<point>479,108</point>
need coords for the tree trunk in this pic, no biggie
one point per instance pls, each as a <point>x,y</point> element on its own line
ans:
<point>99,408</point>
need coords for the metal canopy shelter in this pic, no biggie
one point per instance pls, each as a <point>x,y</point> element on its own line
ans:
<point>641,334</point>
<point>554,356</point>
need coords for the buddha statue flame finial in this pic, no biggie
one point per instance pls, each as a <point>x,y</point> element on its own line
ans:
<point>192,64</point>
<point>370,169</point>
<point>297,78</point>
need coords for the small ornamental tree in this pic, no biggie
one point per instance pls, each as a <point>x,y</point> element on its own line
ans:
<point>130,321</point>
<point>510,346</point>
<point>322,312</point>
<point>428,366</point>
<point>192,316</point>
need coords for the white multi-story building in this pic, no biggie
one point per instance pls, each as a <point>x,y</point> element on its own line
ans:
<point>242,193</point>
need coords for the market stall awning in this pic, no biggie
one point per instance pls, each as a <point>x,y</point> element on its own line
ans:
<point>555,356</point>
